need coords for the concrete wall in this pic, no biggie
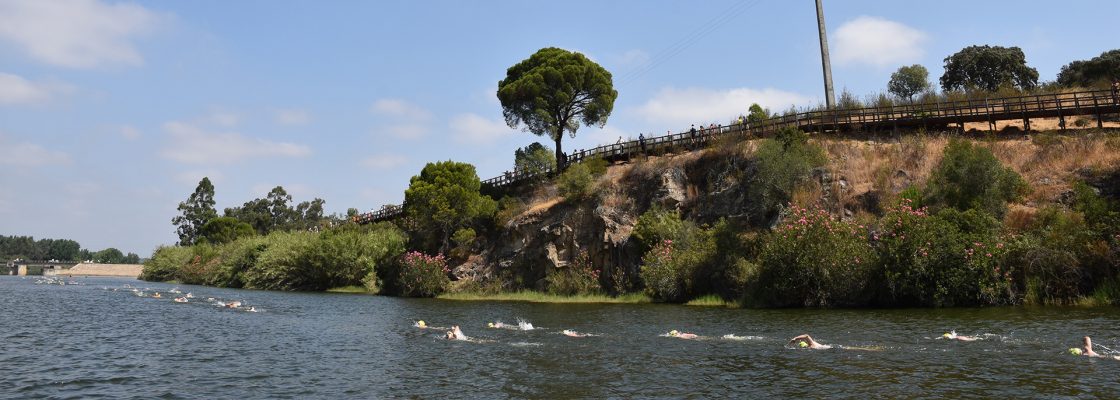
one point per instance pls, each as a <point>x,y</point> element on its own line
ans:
<point>93,269</point>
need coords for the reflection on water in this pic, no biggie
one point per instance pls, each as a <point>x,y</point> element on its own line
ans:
<point>98,338</point>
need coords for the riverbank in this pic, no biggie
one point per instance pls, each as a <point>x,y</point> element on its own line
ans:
<point>539,297</point>
<point>95,269</point>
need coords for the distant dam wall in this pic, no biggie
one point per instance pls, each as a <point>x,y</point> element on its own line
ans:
<point>94,269</point>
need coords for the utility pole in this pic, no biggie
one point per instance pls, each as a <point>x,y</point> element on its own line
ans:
<point>829,97</point>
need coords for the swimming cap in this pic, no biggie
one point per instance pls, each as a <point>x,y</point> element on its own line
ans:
<point>803,344</point>
<point>946,335</point>
<point>1075,351</point>
<point>490,324</point>
<point>421,323</point>
<point>673,332</point>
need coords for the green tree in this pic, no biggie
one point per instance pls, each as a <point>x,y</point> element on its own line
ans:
<point>444,198</point>
<point>971,177</point>
<point>109,256</point>
<point>909,81</point>
<point>535,159</point>
<point>131,258</point>
<point>988,68</point>
<point>224,230</point>
<point>63,249</point>
<point>308,214</point>
<point>195,212</point>
<point>555,90</point>
<point>1104,68</point>
<point>757,114</point>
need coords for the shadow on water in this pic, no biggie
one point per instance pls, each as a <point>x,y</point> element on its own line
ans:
<point>98,338</point>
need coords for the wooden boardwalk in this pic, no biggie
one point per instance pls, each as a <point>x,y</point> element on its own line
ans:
<point>932,115</point>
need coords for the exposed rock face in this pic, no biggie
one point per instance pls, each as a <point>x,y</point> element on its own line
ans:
<point>537,242</point>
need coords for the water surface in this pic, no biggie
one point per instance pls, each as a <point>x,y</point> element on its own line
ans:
<point>99,339</point>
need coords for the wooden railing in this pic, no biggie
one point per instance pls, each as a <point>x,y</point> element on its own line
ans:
<point>1098,102</point>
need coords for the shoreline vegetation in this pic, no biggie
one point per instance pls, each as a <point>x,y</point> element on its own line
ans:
<point>971,233</point>
<point>856,219</point>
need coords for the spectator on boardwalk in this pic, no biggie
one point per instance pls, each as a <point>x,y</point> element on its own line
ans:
<point>1116,92</point>
<point>692,137</point>
<point>642,142</point>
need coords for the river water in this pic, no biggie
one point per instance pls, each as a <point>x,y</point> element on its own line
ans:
<point>98,339</point>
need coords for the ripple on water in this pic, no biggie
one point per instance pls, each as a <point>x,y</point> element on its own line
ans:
<point>91,341</point>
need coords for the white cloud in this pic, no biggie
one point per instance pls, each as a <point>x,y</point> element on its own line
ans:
<point>400,109</point>
<point>878,42</point>
<point>474,128</point>
<point>192,177</point>
<point>223,118</point>
<point>292,117</point>
<point>26,154</point>
<point>76,33</point>
<point>14,89</point>
<point>633,58</point>
<point>192,145</point>
<point>680,107</point>
<point>406,131</point>
<point>130,132</point>
<point>384,161</point>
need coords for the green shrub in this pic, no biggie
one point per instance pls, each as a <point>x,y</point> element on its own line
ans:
<point>579,277</point>
<point>421,275</point>
<point>953,258</point>
<point>657,225</point>
<point>165,263</point>
<point>236,257</point>
<point>672,271</point>
<point>813,260</point>
<point>283,264</point>
<point>508,209</point>
<point>784,163</point>
<point>970,177</point>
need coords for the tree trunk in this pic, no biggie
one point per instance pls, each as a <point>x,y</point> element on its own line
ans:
<point>561,162</point>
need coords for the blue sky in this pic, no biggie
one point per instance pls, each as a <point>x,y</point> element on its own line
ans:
<point>111,111</point>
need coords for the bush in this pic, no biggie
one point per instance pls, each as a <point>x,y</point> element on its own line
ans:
<point>236,257</point>
<point>657,225</point>
<point>1061,257</point>
<point>421,275</point>
<point>970,177</point>
<point>673,270</point>
<point>954,258</point>
<point>283,264</point>
<point>165,263</point>
<point>784,163</point>
<point>580,277</point>
<point>577,182</point>
<point>813,260</point>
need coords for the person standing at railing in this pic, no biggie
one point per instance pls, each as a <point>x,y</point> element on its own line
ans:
<point>1116,92</point>
<point>642,142</point>
<point>692,137</point>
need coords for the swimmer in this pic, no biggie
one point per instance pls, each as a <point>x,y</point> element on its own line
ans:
<point>1086,349</point>
<point>524,325</point>
<point>500,325</point>
<point>456,334</point>
<point>420,324</point>
<point>233,304</point>
<point>806,341</point>
<point>252,309</point>
<point>157,296</point>
<point>681,335</point>
<point>180,299</point>
<point>952,335</point>
<point>571,333</point>
<point>189,296</point>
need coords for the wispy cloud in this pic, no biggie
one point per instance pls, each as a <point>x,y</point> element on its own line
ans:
<point>878,42</point>
<point>27,154</point>
<point>192,177</point>
<point>292,117</point>
<point>474,128</point>
<point>680,107</point>
<point>15,90</point>
<point>405,120</point>
<point>190,144</point>
<point>383,161</point>
<point>632,58</point>
<point>130,132</point>
<point>400,109</point>
<point>76,33</point>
